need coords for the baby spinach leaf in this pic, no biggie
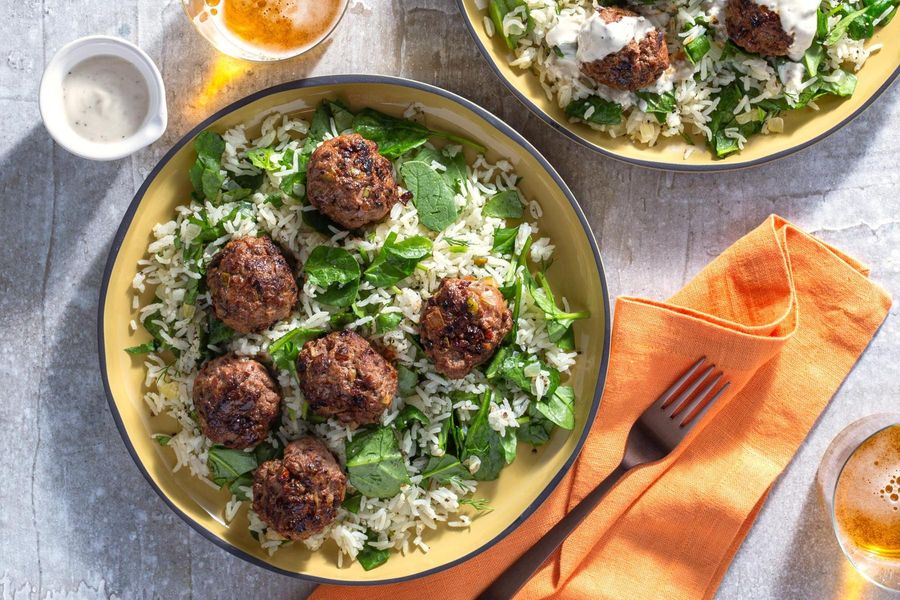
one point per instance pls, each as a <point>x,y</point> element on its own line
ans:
<point>454,172</point>
<point>226,465</point>
<point>409,414</point>
<point>445,468</point>
<point>337,271</point>
<point>285,349</point>
<point>534,428</point>
<point>505,240</point>
<point>387,321</point>
<point>245,480</point>
<point>498,9</point>
<point>375,464</point>
<point>407,380</point>
<point>558,320</point>
<point>433,198</point>
<point>559,408</point>
<point>508,443</point>
<point>658,105</point>
<point>371,557</point>
<point>397,260</point>
<point>505,205</point>
<point>262,159</point>
<point>844,84</point>
<point>219,332</point>
<point>812,58</point>
<point>352,503</point>
<point>840,28</point>
<point>394,137</point>
<point>206,173</point>
<point>341,115</point>
<point>151,346</point>
<point>484,443</point>
<point>604,111</point>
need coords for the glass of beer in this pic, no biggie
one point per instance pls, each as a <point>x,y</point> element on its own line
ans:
<point>265,30</point>
<point>859,480</point>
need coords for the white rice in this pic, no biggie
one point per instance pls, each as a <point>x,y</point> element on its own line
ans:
<point>399,522</point>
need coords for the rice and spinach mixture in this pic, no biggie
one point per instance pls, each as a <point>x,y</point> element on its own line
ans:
<point>385,477</point>
<point>715,72</point>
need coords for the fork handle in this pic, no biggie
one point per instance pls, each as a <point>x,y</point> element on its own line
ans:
<point>518,573</point>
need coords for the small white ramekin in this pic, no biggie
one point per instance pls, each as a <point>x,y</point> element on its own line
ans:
<point>53,111</point>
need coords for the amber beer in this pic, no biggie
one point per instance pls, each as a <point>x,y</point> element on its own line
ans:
<point>866,507</point>
<point>265,29</point>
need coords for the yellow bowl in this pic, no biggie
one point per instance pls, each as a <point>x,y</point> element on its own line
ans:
<point>521,487</point>
<point>802,128</point>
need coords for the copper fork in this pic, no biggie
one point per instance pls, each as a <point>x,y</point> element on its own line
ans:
<point>656,433</point>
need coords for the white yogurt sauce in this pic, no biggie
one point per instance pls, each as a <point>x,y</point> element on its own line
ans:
<point>564,36</point>
<point>598,39</point>
<point>798,18</point>
<point>791,75</point>
<point>105,98</point>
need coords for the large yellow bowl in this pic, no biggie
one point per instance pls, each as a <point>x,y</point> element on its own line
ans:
<point>802,128</point>
<point>578,274</point>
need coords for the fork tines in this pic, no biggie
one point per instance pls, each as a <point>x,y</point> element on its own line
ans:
<point>697,392</point>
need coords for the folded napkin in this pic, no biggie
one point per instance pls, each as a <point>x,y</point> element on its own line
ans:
<point>786,317</point>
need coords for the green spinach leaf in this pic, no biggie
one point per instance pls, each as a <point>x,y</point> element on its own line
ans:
<point>206,173</point>
<point>559,408</point>
<point>445,468</point>
<point>433,198</point>
<point>335,270</point>
<point>226,465</point>
<point>397,260</point>
<point>659,105</point>
<point>285,349</point>
<point>595,109</point>
<point>505,240</point>
<point>484,443</point>
<point>498,9</point>
<point>375,463</point>
<point>505,205</point>
<point>407,380</point>
<point>409,414</point>
<point>371,557</point>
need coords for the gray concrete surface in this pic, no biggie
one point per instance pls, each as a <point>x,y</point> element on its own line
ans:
<point>76,518</point>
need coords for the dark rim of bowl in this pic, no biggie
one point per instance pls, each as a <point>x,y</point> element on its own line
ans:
<point>661,166</point>
<point>322,82</point>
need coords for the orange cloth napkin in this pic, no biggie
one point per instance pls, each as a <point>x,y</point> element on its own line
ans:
<point>786,317</point>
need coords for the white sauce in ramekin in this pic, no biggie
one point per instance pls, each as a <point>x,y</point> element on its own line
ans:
<point>598,39</point>
<point>798,18</point>
<point>106,98</point>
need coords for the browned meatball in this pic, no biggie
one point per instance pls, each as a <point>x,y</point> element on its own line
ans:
<point>462,325</point>
<point>637,65</point>
<point>299,495</point>
<point>343,376</point>
<point>236,400</point>
<point>251,284</point>
<point>350,182</point>
<point>755,28</point>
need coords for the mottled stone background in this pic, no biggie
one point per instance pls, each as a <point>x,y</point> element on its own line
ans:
<point>76,517</point>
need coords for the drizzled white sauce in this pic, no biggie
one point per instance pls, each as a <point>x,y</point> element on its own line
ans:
<point>798,18</point>
<point>565,31</point>
<point>564,37</point>
<point>598,39</point>
<point>791,75</point>
<point>106,98</point>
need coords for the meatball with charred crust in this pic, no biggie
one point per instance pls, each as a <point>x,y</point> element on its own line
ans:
<point>350,182</point>
<point>251,285</point>
<point>462,325</point>
<point>638,65</point>
<point>237,401</point>
<point>299,495</point>
<point>755,28</point>
<point>343,376</point>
